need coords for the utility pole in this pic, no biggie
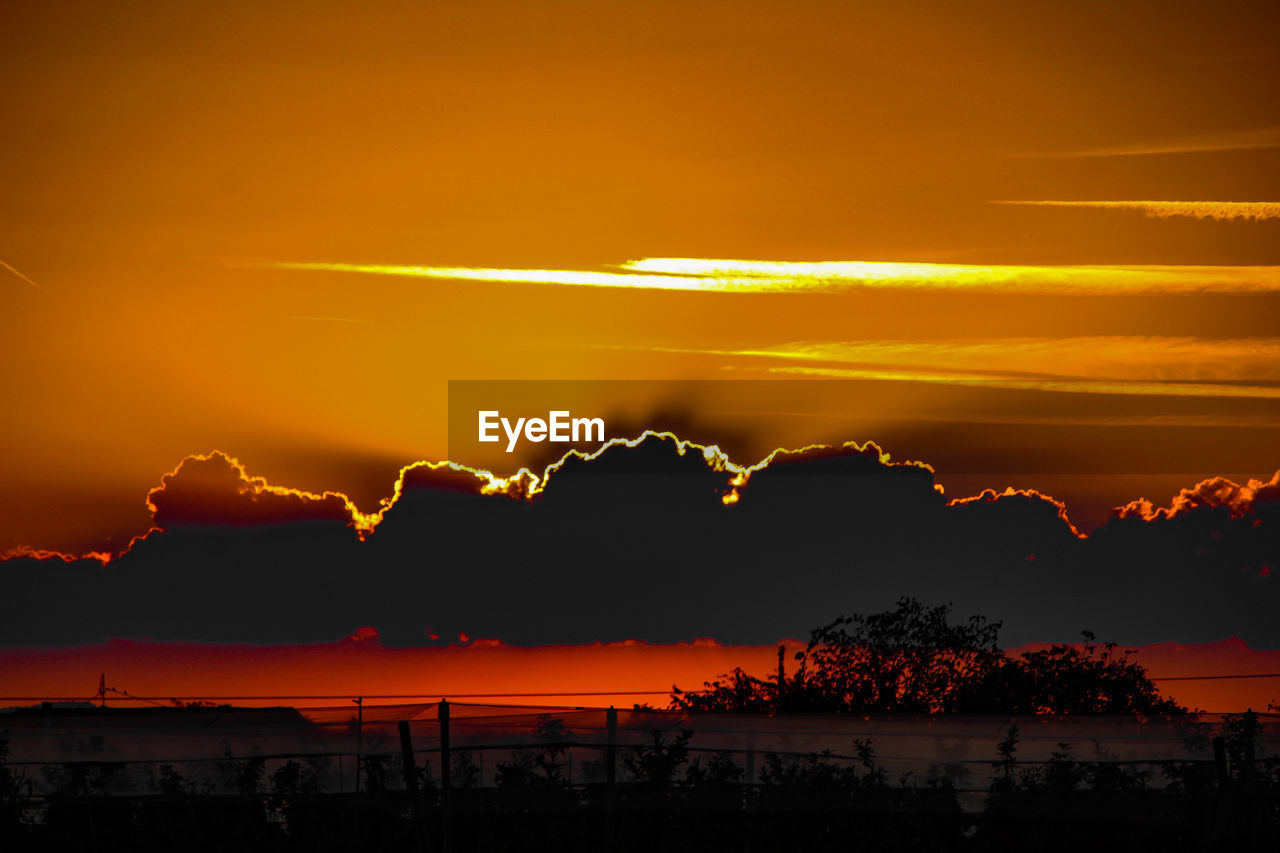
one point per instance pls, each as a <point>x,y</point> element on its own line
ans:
<point>410,766</point>
<point>446,770</point>
<point>359,738</point>
<point>610,778</point>
<point>102,690</point>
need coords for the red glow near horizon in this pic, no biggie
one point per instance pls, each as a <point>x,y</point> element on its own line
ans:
<point>630,672</point>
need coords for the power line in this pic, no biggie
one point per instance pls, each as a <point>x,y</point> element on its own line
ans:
<point>449,694</point>
<point>337,696</point>
<point>1215,677</point>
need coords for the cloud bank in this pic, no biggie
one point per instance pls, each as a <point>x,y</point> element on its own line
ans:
<point>653,539</point>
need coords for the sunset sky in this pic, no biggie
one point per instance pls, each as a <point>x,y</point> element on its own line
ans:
<point>165,165</point>
<point>1034,245</point>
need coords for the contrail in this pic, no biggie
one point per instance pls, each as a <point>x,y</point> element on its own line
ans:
<point>1239,140</point>
<point>755,276</point>
<point>1225,210</point>
<point>19,274</point>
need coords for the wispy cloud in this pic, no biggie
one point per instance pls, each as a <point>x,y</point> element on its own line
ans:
<point>1149,366</point>
<point>1230,140</point>
<point>756,276</point>
<point>1179,359</point>
<point>1256,210</point>
<point>1231,419</point>
<point>1070,386</point>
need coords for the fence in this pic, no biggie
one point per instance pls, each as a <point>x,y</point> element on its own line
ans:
<point>209,746</point>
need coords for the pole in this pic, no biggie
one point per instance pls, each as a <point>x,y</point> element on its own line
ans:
<point>1249,732</point>
<point>410,766</point>
<point>750,777</point>
<point>610,778</point>
<point>446,768</point>
<point>1220,760</point>
<point>406,758</point>
<point>359,738</point>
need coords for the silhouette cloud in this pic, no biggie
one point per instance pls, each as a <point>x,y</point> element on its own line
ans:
<point>654,539</point>
<point>216,489</point>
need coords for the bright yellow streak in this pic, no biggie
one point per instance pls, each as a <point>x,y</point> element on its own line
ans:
<point>840,275</point>
<point>1256,210</point>
<point>579,278</point>
<point>747,276</point>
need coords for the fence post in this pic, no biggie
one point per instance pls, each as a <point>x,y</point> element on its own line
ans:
<point>410,766</point>
<point>1249,733</point>
<point>610,778</point>
<point>1220,760</point>
<point>411,783</point>
<point>446,768</point>
<point>749,777</point>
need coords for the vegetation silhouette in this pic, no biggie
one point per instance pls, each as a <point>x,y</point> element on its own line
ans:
<point>914,659</point>
<point>672,794</point>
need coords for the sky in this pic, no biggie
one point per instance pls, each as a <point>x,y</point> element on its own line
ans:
<point>1033,246</point>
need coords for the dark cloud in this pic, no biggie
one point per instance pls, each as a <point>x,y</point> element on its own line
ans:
<point>645,540</point>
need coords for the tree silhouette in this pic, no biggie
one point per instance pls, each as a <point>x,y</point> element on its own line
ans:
<point>915,659</point>
<point>1089,679</point>
<point>910,659</point>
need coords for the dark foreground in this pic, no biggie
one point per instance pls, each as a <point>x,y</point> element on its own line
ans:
<point>803,814</point>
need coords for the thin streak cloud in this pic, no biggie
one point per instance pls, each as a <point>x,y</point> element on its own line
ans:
<point>1239,140</point>
<point>756,276</point>
<point>1224,210</point>
<point>1070,386</point>
<point>1148,366</point>
<point>37,285</point>
<point>1161,359</point>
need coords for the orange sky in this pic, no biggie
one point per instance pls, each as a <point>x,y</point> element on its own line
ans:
<point>161,162</point>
